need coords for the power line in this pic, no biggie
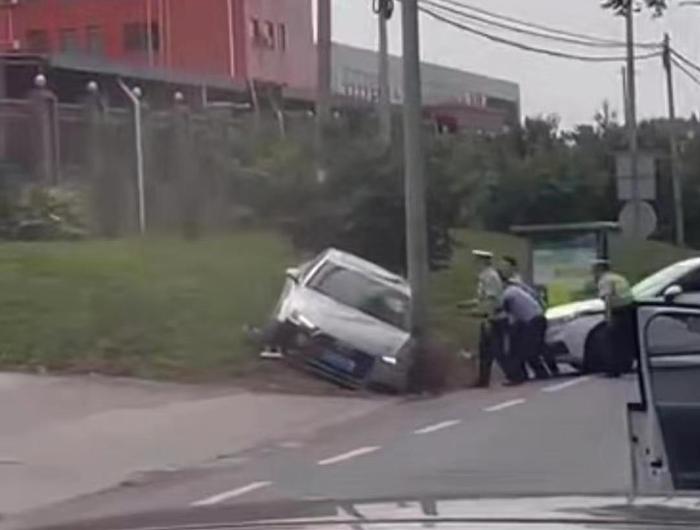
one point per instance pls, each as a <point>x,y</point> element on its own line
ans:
<point>685,60</point>
<point>573,37</point>
<point>515,29</point>
<point>687,72</point>
<point>530,48</point>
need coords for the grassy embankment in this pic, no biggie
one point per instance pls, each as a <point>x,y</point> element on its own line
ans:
<point>168,308</point>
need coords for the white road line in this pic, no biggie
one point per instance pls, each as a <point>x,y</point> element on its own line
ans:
<point>230,494</point>
<point>347,456</point>
<point>566,384</point>
<point>504,405</point>
<point>437,426</point>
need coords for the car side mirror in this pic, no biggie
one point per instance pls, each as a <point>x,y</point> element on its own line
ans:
<point>672,291</point>
<point>293,274</point>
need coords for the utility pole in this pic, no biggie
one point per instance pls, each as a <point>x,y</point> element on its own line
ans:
<point>632,114</point>
<point>384,9</point>
<point>416,217</point>
<point>673,141</point>
<point>323,90</point>
<point>625,94</point>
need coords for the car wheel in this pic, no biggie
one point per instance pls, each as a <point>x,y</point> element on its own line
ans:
<point>596,350</point>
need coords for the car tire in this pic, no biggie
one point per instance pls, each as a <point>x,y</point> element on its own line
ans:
<point>596,350</point>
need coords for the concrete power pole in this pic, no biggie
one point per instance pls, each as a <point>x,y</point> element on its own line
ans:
<point>384,10</point>
<point>632,114</point>
<point>323,91</point>
<point>416,217</point>
<point>675,169</point>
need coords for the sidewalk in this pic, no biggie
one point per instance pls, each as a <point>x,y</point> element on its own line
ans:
<point>64,437</point>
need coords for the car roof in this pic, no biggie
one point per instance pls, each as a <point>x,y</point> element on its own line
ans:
<point>690,261</point>
<point>359,264</point>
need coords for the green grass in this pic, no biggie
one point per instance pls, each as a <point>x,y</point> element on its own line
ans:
<point>150,308</point>
<point>168,308</point>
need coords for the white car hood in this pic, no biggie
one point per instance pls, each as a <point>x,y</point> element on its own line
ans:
<point>594,305</point>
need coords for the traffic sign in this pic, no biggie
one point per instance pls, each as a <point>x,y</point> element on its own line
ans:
<point>646,175</point>
<point>647,220</point>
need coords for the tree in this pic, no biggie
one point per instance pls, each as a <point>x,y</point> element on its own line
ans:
<point>619,7</point>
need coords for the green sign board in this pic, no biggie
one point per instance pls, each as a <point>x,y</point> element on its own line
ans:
<point>562,266</point>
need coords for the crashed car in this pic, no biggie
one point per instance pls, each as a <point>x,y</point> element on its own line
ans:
<point>576,332</point>
<point>348,320</point>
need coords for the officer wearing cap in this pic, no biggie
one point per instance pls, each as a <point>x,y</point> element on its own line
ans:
<point>488,296</point>
<point>615,291</point>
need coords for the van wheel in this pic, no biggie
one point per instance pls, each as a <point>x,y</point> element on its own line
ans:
<point>596,350</point>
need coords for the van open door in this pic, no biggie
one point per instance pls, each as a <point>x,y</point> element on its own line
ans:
<point>664,428</point>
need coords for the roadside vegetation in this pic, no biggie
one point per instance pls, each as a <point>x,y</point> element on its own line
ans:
<point>176,309</point>
<point>227,212</point>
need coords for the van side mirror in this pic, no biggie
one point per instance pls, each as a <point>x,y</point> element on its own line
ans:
<point>672,291</point>
<point>293,274</point>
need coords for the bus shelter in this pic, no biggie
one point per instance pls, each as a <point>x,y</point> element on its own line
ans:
<point>560,257</point>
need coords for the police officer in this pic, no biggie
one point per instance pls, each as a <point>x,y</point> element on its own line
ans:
<point>615,291</point>
<point>526,329</point>
<point>537,327</point>
<point>488,297</point>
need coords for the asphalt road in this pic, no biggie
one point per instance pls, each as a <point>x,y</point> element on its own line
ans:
<point>565,436</point>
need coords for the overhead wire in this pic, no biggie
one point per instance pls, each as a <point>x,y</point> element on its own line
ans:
<point>571,36</point>
<point>527,47</point>
<point>684,59</point>
<point>687,72</point>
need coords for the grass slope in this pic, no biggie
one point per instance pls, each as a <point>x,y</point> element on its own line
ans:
<point>168,308</point>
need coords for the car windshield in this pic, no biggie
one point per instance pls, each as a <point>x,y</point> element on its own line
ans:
<point>360,291</point>
<point>652,285</point>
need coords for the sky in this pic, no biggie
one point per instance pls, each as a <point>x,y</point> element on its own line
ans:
<point>573,90</point>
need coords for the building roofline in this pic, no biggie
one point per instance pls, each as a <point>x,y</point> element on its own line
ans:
<point>84,63</point>
<point>511,84</point>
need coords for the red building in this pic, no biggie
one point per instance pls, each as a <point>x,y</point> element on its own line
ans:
<point>262,40</point>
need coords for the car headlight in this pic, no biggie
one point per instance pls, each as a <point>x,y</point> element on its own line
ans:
<point>300,320</point>
<point>402,356</point>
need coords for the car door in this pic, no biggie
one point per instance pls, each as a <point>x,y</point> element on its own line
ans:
<point>669,371</point>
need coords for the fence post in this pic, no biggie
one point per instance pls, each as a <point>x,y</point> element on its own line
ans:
<point>44,111</point>
<point>188,189</point>
<point>105,193</point>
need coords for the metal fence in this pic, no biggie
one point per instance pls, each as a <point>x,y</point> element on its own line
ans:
<point>190,157</point>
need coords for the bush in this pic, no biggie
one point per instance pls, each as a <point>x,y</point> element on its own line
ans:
<point>47,213</point>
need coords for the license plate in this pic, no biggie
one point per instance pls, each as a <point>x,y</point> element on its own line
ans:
<point>338,361</point>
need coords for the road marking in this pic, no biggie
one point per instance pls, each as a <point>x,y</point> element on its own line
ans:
<point>350,454</point>
<point>230,494</point>
<point>504,405</point>
<point>437,426</point>
<point>566,384</point>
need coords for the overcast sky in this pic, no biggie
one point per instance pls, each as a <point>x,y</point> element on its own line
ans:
<point>572,89</point>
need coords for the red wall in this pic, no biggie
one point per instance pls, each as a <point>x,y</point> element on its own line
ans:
<point>199,34</point>
<point>297,65</point>
<point>195,34</point>
<point>52,15</point>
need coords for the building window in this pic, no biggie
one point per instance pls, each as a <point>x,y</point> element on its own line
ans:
<point>270,35</point>
<point>68,41</point>
<point>255,33</point>
<point>94,41</point>
<point>37,40</point>
<point>138,37</point>
<point>282,36</point>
